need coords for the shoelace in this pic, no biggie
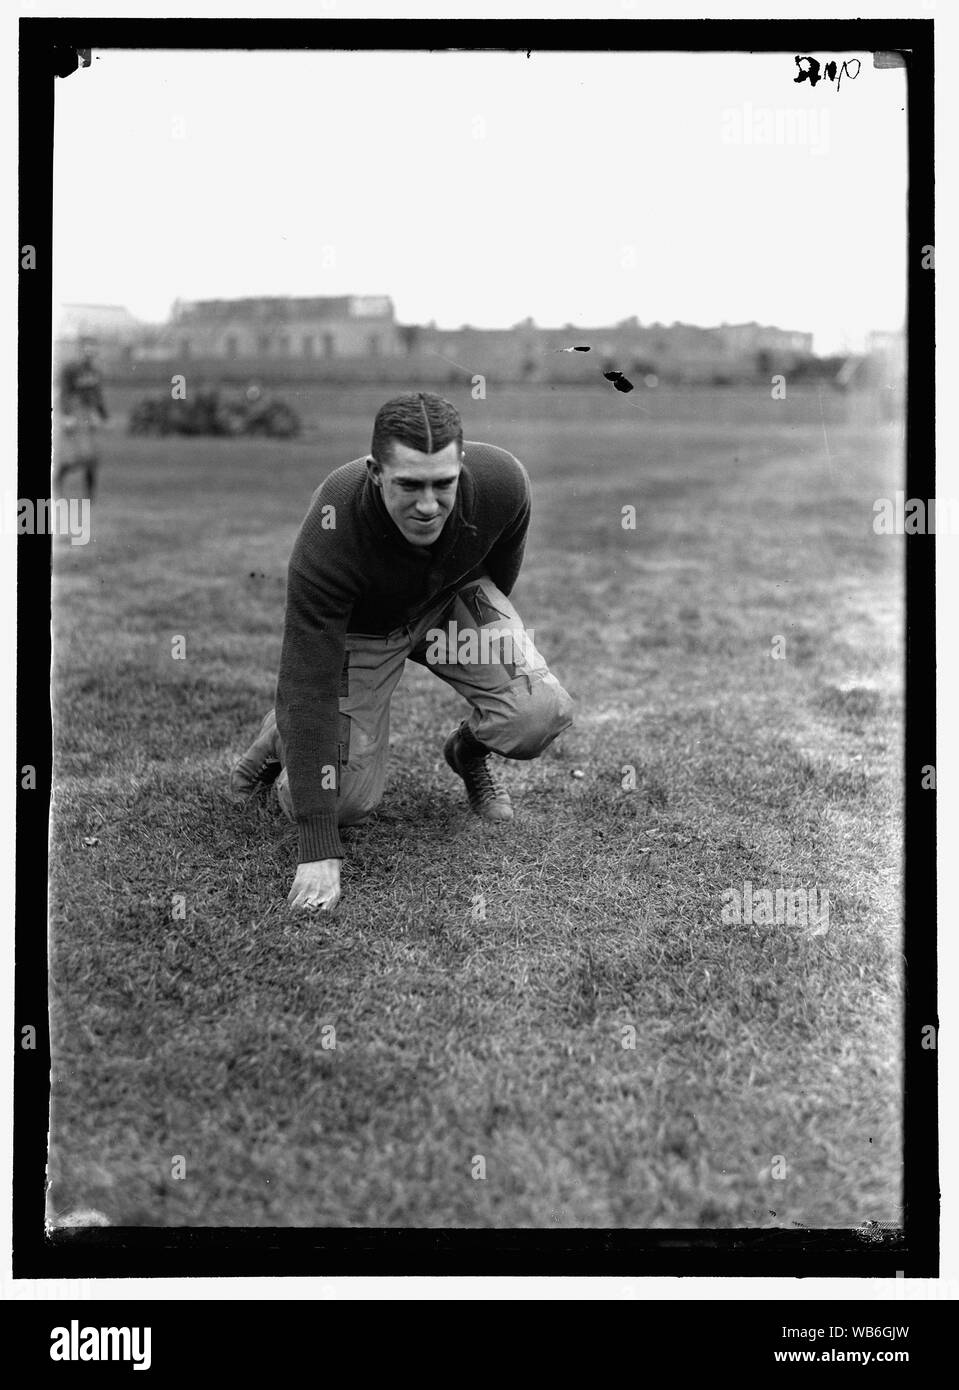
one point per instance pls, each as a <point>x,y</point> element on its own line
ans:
<point>255,772</point>
<point>484,784</point>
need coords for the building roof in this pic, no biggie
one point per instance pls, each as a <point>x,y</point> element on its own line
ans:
<point>74,320</point>
<point>284,309</point>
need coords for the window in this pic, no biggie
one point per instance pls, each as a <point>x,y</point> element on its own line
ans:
<point>307,344</point>
<point>263,343</point>
<point>231,345</point>
<point>373,345</point>
<point>329,345</point>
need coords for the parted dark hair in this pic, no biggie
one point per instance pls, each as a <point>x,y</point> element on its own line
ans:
<point>420,419</point>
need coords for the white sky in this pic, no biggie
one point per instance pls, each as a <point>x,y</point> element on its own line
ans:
<point>484,187</point>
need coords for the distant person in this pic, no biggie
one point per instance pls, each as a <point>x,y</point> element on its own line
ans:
<point>408,552</point>
<point>207,405</point>
<point>82,409</point>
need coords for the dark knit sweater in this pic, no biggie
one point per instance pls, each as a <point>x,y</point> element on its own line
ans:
<point>362,575</point>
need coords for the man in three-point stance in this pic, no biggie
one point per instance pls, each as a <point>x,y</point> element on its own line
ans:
<point>409,552</point>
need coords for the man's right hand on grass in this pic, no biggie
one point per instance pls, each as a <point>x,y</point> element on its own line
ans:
<point>317,885</point>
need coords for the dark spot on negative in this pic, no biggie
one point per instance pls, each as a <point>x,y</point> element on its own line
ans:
<point>619,381</point>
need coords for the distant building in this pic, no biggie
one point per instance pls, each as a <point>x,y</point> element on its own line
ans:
<point>889,346</point>
<point>272,327</point>
<point>111,324</point>
<point>746,339</point>
<point>684,350</point>
<point>344,336</point>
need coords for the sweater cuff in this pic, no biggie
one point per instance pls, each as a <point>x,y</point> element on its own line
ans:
<point>319,838</point>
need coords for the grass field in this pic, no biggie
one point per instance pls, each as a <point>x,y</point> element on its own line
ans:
<point>614,1051</point>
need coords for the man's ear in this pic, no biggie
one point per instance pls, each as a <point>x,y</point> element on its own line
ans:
<point>374,470</point>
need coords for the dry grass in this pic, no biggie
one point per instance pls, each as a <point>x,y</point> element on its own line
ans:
<point>493,1026</point>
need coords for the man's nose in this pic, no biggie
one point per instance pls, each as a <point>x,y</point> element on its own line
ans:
<point>426,504</point>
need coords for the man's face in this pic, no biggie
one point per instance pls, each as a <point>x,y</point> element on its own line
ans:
<point>88,352</point>
<point>418,490</point>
